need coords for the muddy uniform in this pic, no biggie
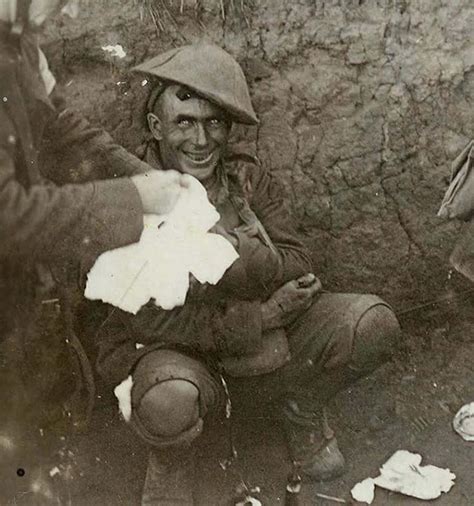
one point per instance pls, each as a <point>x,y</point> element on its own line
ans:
<point>266,330</point>
<point>222,321</point>
<point>41,224</point>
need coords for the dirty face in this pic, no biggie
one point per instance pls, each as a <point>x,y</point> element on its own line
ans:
<point>192,133</point>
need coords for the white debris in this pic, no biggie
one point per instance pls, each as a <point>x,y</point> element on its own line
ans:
<point>39,486</point>
<point>139,346</point>
<point>6,443</point>
<point>123,392</point>
<point>249,501</point>
<point>115,51</point>
<point>364,491</point>
<point>144,82</point>
<point>403,473</point>
<point>463,422</point>
<point>54,471</point>
<point>157,267</point>
<point>293,488</point>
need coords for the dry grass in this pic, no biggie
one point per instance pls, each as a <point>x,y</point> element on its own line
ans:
<point>165,13</point>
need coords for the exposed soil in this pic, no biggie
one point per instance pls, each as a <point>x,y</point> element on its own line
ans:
<point>408,404</point>
<point>362,105</point>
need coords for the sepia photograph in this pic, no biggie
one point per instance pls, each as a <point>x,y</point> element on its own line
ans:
<point>236,252</point>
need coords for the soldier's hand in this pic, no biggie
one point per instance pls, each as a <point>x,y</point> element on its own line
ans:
<point>159,190</point>
<point>289,301</point>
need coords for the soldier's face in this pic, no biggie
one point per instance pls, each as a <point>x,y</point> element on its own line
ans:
<point>192,133</point>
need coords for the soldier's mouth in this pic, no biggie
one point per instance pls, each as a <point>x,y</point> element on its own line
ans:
<point>199,158</point>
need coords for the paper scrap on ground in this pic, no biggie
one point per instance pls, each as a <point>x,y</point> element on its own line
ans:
<point>116,51</point>
<point>249,501</point>
<point>157,267</point>
<point>403,473</point>
<point>123,392</point>
<point>364,491</point>
<point>463,422</point>
<point>54,471</point>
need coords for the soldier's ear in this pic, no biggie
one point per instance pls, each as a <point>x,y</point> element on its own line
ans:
<point>154,124</point>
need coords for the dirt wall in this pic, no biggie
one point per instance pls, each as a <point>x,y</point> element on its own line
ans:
<point>363,104</point>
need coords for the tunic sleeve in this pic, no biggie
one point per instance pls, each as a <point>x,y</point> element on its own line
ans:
<point>45,220</point>
<point>261,269</point>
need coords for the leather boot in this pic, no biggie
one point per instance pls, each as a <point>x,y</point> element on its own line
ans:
<point>169,478</point>
<point>312,444</point>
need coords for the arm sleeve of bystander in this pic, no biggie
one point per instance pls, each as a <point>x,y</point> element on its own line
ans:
<point>86,152</point>
<point>75,220</point>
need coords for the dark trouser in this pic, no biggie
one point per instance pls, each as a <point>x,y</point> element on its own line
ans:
<point>339,339</point>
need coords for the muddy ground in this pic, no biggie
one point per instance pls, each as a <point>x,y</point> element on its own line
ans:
<point>408,404</point>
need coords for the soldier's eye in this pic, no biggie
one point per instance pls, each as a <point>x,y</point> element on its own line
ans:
<point>184,122</point>
<point>215,122</point>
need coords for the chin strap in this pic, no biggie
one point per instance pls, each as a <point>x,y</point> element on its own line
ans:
<point>21,19</point>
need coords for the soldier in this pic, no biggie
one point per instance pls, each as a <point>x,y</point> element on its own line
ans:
<point>43,223</point>
<point>267,327</point>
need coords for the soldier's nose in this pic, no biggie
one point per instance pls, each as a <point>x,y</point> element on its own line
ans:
<point>200,135</point>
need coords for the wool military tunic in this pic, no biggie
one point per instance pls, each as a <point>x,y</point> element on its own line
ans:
<point>226,319</point>
<point>42,222</point>
<point>222,321</point>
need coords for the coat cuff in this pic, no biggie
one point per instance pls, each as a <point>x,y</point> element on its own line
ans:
<point>115,219</point>
<point>117,204</point>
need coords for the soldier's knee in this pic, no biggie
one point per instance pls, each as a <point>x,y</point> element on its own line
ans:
<point>169,408</point>
<point>376,335</point>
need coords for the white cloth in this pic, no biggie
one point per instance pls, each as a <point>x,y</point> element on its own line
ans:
<point>404,473</point>
<point>46,74</point>
<point>123,392</point>
<point>170,248</point>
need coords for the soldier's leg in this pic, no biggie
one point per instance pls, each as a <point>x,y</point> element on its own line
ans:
<point>340,339</point>
<point>170,408</point>
<point>172,394</point>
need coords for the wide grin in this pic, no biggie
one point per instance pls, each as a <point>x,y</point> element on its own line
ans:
<point>199,159</point>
